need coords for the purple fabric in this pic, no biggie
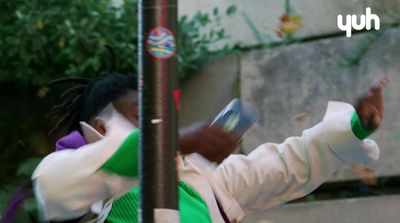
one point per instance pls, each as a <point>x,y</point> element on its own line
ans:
<point>221,210</point>
<point>15,204</point>
<point>73,140</point>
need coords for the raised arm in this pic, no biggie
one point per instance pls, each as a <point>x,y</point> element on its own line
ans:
<point>68,183</point>
<point>276,173</point>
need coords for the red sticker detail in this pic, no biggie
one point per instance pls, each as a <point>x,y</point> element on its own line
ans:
<point>177,97</point>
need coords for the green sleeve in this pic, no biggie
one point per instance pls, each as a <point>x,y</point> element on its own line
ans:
<point>358,129</point>
<point>125,160</point>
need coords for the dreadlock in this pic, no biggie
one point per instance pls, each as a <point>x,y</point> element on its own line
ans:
<point>87,97</point>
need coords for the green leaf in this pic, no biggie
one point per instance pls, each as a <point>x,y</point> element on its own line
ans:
<point>231,10</point>
<point>215,11</point>
<point>27,168</point>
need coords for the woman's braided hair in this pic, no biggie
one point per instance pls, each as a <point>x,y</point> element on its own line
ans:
<point>84,100</point>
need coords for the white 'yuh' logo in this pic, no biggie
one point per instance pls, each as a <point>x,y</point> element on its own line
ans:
<point>365,21</point>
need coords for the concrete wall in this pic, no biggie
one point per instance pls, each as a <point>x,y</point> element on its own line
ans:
<point>319,16</point>
<point>291,86</point>
<point>209,90</point>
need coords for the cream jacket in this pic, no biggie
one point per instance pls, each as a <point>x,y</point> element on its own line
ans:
<point>69,184</point>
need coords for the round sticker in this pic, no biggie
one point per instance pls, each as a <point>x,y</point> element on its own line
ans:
<point>161,43</point>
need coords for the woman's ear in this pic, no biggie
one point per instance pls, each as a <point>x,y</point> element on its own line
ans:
<point>100,126</point>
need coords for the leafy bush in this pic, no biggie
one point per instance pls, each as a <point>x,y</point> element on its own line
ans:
<point>196,47</point>
<point>43,40</point>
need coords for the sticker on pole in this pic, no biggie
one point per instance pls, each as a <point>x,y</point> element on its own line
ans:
<point>161,43</point>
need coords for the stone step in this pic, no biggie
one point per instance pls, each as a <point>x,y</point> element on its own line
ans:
<point>383,209</point>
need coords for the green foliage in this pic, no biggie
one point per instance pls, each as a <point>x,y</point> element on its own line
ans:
<point>43,40</point>
<point>231,10</point>
<point>27,167</point>
<point>198,36</point>
<point>262,38</point>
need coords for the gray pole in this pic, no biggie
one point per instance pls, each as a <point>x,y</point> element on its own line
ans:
<point>158,107</point>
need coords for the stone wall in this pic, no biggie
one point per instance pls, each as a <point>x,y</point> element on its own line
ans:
<point>319,16</point>
<point>291,86</point>
<point>209,90</point>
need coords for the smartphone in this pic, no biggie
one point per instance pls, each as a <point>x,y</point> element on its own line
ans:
<point>236,118</point>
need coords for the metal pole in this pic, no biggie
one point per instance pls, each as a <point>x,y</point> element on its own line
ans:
<point>158,109</point>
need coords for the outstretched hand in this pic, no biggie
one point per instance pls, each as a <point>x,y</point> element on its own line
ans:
<point>369,107</point>
<point>210,141</point>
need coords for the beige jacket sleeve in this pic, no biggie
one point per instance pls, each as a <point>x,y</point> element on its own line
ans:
<point>69,184</point>
<point>276,173</point>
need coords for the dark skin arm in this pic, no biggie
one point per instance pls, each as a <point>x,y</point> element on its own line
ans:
<point>210,141</point>
<point>369,107</point>
<point>215,144</point>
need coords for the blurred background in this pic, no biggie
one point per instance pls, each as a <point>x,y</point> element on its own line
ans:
<point>285,58</point>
